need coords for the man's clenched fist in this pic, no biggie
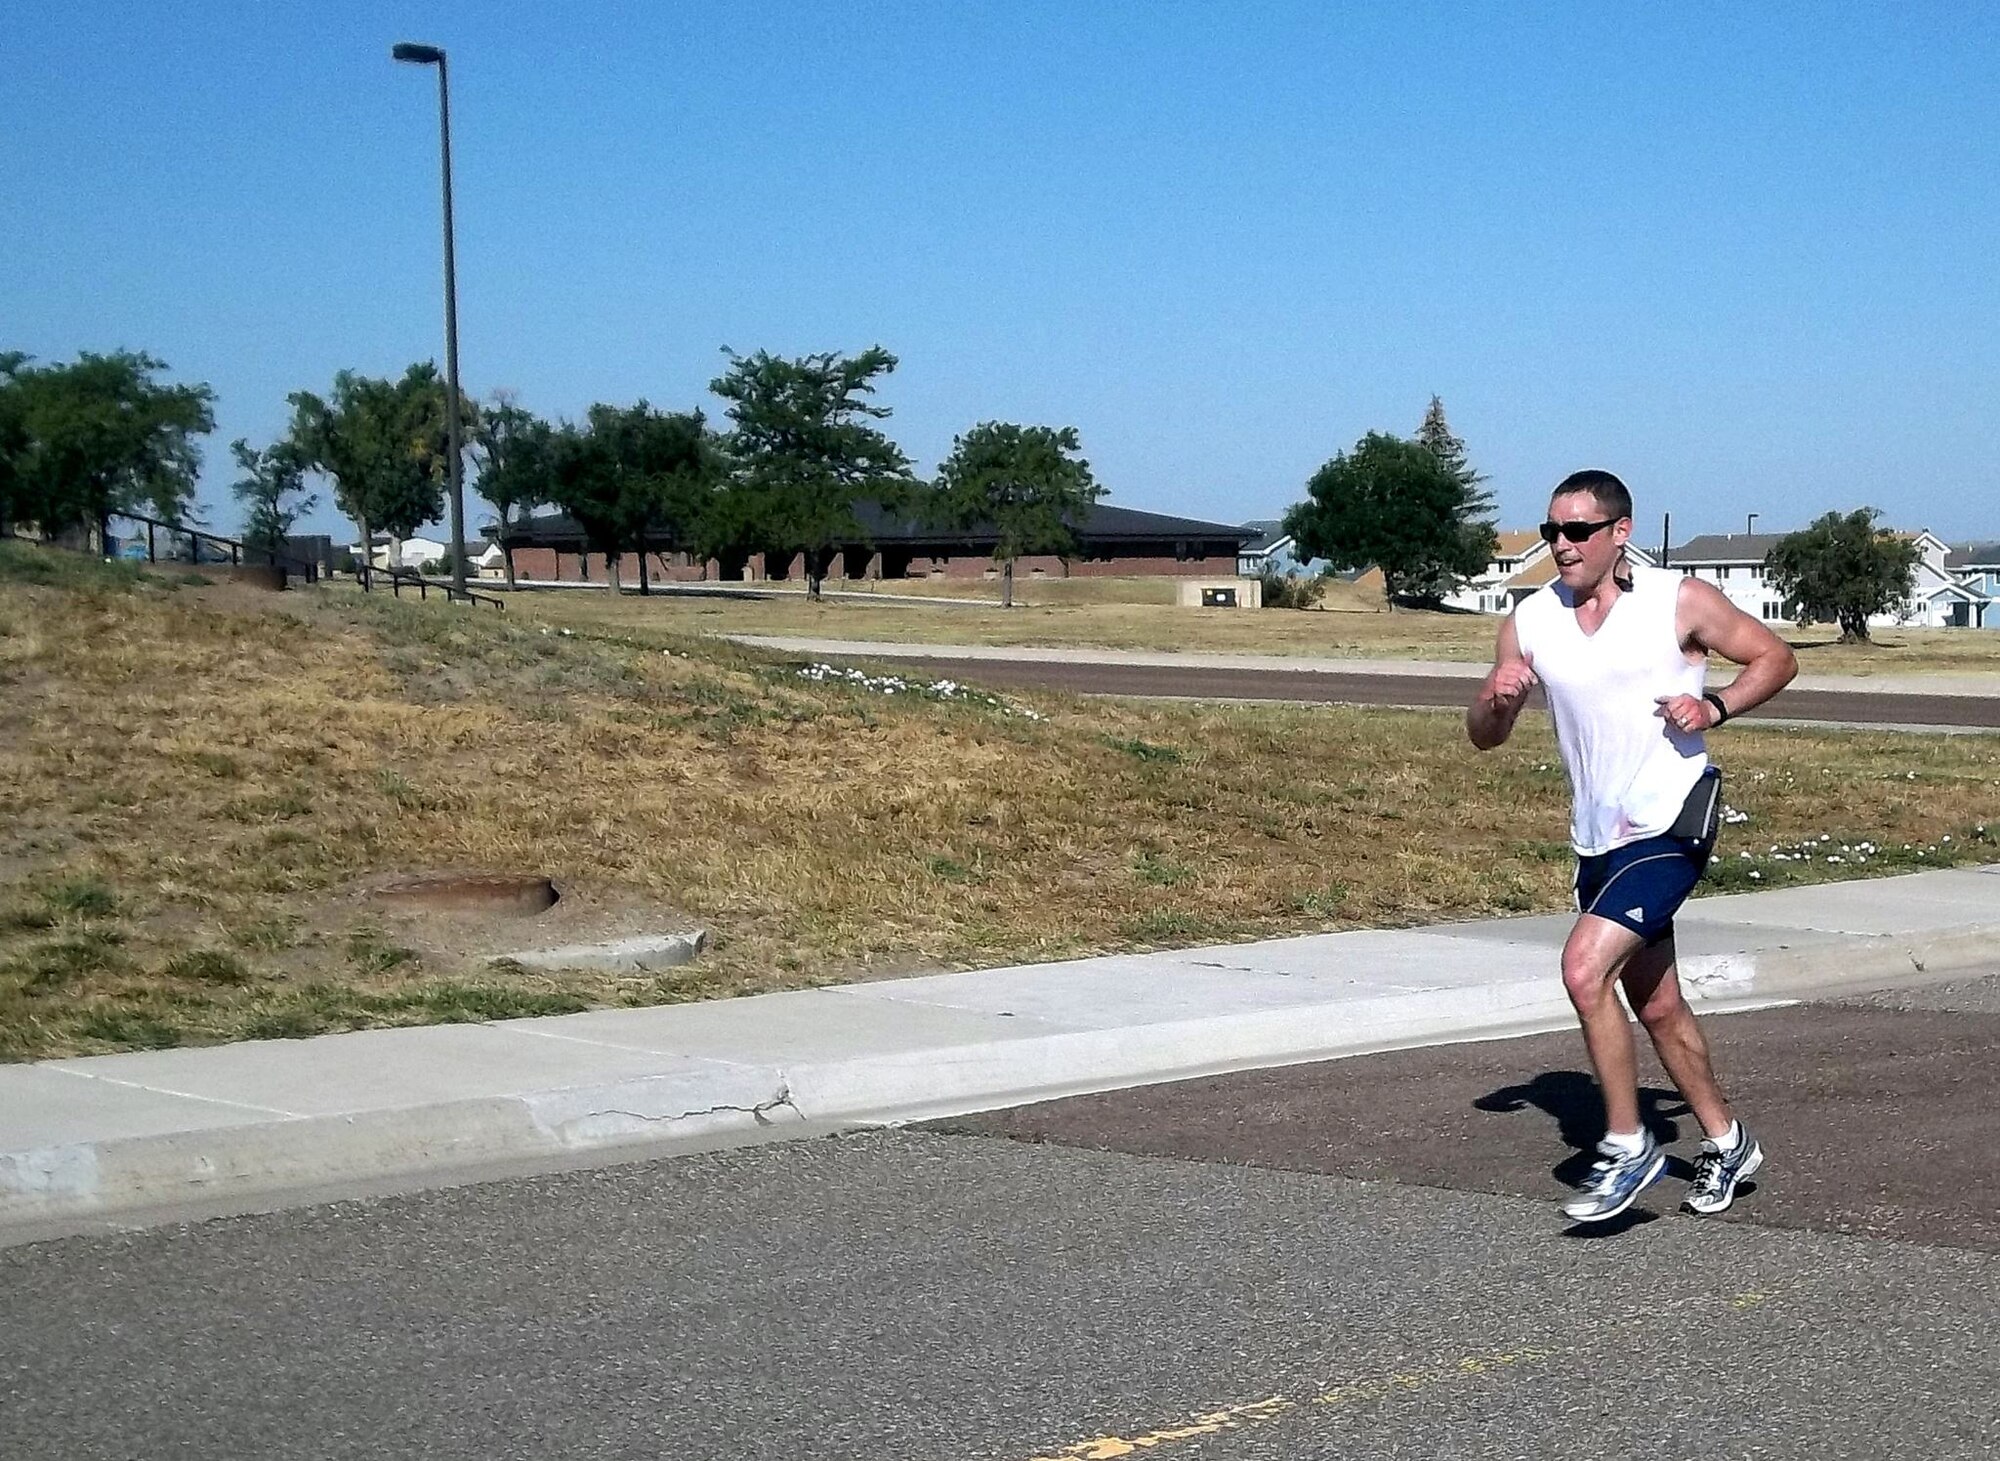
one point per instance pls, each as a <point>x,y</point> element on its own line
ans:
<point>1508,685</point>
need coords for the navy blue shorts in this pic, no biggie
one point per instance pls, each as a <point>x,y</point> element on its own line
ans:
<point>1642,885</point>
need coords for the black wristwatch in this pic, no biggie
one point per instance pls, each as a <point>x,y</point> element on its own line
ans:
<point>1721,710</point>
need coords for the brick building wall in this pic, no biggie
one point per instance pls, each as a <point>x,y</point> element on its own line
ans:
<point>547,564</point>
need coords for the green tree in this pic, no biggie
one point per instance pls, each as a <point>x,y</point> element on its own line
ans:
<point>515,452</point>
<point>634,477</point>
<point>269,491</point>
<point>1027,483</point>
<point>99,435</point>
<point>384,445</point>
<point>1439,579</point>
<point>804,453</point>
<point>1841,570</point>
<point>13,443</point>
<point>1393,504</point>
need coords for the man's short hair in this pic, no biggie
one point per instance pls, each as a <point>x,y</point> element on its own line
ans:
<point>1613,497</point>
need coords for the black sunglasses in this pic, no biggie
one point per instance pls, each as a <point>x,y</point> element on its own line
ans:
<point>1575,532</point>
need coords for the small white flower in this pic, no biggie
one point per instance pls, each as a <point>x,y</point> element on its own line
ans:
<point>1755,875</point>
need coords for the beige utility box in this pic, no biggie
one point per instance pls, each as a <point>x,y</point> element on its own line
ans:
<point>1222,593</point>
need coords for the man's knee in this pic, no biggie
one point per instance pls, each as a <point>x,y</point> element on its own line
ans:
<point>1586,977</point>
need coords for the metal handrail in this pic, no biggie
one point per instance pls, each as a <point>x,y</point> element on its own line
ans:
<point>238,550</point>
<point>367,573</point>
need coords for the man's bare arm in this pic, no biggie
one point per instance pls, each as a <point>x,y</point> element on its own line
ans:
<point>1489,720</point>
<point>1710,623</point>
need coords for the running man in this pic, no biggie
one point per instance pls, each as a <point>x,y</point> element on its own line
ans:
<point>1622,652</point>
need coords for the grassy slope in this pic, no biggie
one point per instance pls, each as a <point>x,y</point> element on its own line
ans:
<point>198,777</point>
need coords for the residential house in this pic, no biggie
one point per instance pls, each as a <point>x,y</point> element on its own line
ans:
<point>1521,563</point>
<point>1977,567</point>
<point>1501,585</point>
<point>1734,563</point>
<point>1273,549</point>
<point>390,552</point>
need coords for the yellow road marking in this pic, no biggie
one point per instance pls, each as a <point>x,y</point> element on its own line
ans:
<point>1258,1412</point>
<point>1374,1387</point>
<point>1106,1448</point>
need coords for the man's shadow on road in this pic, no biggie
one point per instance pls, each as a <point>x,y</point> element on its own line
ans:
<point>1573,1099</point>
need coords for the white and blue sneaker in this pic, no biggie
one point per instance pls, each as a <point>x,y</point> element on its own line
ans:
<point>1716,1172</point>
<point>1616,1181</point>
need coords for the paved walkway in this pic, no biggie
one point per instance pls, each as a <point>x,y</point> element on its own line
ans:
<point>1965,684</point>
<point>105,1133</point>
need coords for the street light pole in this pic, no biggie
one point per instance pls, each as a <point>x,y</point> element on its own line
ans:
<point>434,56</point>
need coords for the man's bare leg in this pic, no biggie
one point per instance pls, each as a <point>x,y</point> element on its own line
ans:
<point>1653,987</point>
<point>1592,958</point>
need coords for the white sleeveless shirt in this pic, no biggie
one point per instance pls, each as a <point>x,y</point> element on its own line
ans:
<point>1629,770</point>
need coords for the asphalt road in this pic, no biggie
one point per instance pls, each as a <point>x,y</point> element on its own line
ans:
<point>1321,686</point>
<point>1335,1265</point>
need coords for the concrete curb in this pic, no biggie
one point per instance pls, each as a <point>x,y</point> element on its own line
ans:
<point>720,1098</point>
<point>640,955</point>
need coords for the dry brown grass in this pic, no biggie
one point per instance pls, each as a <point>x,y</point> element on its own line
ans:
<point>198,778</point>
<point>1141,614</point>
<point>1340,628</point>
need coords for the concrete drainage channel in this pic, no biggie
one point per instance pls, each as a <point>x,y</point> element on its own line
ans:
<point>523,895</point>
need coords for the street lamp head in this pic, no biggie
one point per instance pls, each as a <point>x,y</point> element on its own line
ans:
<point>421,54</point>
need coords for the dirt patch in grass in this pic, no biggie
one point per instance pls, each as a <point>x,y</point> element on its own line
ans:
<point>200,784</point>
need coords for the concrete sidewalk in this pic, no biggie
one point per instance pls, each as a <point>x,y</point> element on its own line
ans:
<point>1964,684</point>
<point>119,1132</point>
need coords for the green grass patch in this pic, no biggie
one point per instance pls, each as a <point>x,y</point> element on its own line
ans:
<point>1324,902</point>
<point>82,897</point>
<point>949,870</point>
<point>1145,750</point>
<point>1160,872</point>
<point>1168,925</point>
<point>208,966</point>
<point>369,953</point>
<point>54,965</point>
<point>127,1029</point>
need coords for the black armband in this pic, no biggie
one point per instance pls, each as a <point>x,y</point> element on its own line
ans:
<point>1721,710</point>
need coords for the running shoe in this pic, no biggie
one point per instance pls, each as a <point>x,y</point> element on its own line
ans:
<point>1616,1181</point>
<point>1716,1172</point>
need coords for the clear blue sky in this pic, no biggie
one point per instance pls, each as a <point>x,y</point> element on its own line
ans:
<point>1744,256</point>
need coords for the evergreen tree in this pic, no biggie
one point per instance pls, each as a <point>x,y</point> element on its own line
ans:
<point>1475,513</point>
<point>1397,506</point>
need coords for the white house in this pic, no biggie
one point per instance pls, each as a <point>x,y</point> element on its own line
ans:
<point>1734,563</point>
<point>403,552</point>
<point>1521,563</point>
<point>1274,549</point>
<point>1495,591</point>
<point>1977,566</point>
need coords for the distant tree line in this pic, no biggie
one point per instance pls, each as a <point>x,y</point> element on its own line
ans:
<point>800,451</point>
